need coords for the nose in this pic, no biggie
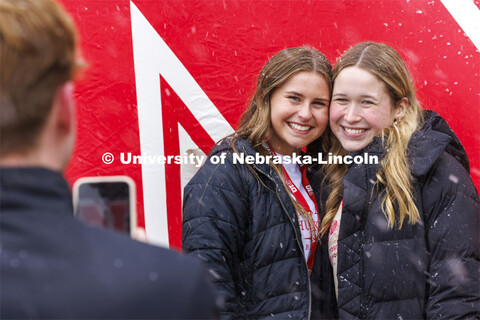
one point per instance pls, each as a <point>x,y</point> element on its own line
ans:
<point>305,113</point>
<point>352,113</point>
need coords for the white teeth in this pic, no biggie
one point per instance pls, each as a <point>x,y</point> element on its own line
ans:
<point>299,127</point>
<point>354,131</point>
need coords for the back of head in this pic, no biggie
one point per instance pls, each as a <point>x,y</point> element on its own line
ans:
<point>255,123</point>
<point>37,55</point>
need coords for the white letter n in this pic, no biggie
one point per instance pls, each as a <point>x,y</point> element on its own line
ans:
<point>152,57</point>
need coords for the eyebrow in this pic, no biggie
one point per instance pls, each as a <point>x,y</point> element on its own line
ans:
<point>364,96</point>
<point>369,97</point>
<point>294,92</point>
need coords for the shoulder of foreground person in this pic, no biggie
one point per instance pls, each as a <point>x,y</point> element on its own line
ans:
<point>67,270</point>
<point>174,286</point>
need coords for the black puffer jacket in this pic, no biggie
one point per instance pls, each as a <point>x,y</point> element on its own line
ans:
<point>248,236</point>
<point>427,270</point>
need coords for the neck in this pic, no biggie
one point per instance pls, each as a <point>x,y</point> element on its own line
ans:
<point>282,151</point>
<point>30,159</point>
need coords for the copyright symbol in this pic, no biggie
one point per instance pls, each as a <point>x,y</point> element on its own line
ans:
<point>107,158</point>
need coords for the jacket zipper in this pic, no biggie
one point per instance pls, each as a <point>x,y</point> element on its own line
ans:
<point>301,250</point>
<point>300,245</point>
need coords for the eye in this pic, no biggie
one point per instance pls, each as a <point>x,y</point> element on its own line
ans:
<point>320,103</point>
<point>367,102</point>
<point>341,100</point>
<point>294,98</point>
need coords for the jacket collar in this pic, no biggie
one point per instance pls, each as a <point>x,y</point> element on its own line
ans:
<point>425,147</point>
<point>37,189</point>
<point>428,144</point>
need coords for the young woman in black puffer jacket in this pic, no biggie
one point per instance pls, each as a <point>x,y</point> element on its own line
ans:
<point>258,239</point>
<point>403,234</point>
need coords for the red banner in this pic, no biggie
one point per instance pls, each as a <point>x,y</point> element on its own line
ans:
<point>170,78</point>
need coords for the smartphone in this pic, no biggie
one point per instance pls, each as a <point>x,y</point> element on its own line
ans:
<point>108,202</point>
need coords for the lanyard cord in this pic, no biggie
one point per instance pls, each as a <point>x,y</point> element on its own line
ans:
<point>307,212</point>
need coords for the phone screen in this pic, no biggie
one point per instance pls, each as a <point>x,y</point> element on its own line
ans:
<point>105,204</point>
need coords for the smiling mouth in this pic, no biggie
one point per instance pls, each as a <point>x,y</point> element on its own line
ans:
<point>299,127</point>
<point>354,131</point>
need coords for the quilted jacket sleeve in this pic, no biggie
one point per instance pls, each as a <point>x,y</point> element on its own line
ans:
<point>214,211</point>
<point>451,208</point>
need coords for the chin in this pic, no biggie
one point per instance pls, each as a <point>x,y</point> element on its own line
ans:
<point>350,148</point>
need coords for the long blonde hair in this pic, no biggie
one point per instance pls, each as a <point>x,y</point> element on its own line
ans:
<point>394,174</point>
<point>255,124</point>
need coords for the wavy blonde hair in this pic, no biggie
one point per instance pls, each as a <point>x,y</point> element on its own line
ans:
<point>255,123</point>
<point>394,175</point>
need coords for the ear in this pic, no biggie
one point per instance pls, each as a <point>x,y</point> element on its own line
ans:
<point>401,109</point>
<point>65,109</point>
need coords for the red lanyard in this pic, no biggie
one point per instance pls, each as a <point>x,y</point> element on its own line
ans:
<point>297,194</point>
<point>299,197</point>
<point>301,200</point>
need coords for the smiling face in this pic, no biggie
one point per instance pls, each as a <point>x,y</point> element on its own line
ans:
<point>299,111</point>
<point>361,108</point>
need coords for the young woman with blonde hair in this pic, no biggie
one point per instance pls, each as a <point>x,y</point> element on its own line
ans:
<point>403,235</point>
<point>257,236</point>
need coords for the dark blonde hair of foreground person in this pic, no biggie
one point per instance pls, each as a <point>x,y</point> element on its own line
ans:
<point>37,55</point>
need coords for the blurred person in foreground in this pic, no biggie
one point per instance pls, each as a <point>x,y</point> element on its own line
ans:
<point>51,265</point>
